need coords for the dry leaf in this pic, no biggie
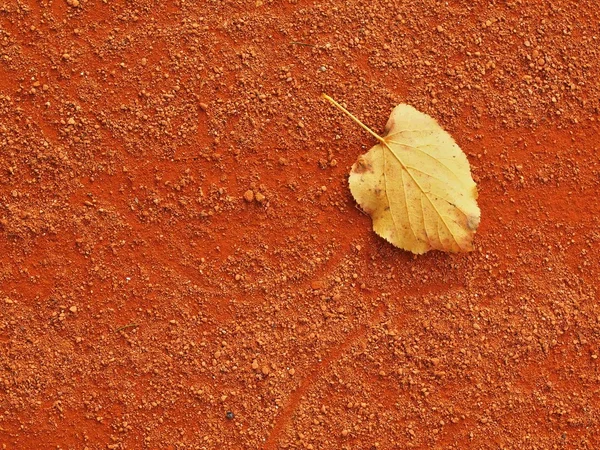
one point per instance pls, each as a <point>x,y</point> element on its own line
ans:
<point>416,185</point>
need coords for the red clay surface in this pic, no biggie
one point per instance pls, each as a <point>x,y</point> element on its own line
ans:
<point>142,298</point>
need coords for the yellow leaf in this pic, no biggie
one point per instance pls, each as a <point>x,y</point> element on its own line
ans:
<point>416,184</point>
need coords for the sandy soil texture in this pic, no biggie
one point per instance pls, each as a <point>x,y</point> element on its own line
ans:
<point>182,265</point>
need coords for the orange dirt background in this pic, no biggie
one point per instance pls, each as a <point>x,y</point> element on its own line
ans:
<point>142,298</point>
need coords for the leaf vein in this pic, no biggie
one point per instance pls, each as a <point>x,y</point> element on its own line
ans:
<point>434,158</point>
<point>423,192</point>
<point>386,191</point>
<point>406,206</point>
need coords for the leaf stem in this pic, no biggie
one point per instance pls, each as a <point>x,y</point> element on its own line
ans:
<point>353,117</point>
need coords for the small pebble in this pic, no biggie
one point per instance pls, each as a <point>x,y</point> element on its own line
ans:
<point>317,284</point>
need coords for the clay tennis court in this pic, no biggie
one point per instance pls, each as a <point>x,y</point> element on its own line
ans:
<point>183,266</point>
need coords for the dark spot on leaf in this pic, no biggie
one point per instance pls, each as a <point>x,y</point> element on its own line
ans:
<point>362,166</point>
<point>389,125</point>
